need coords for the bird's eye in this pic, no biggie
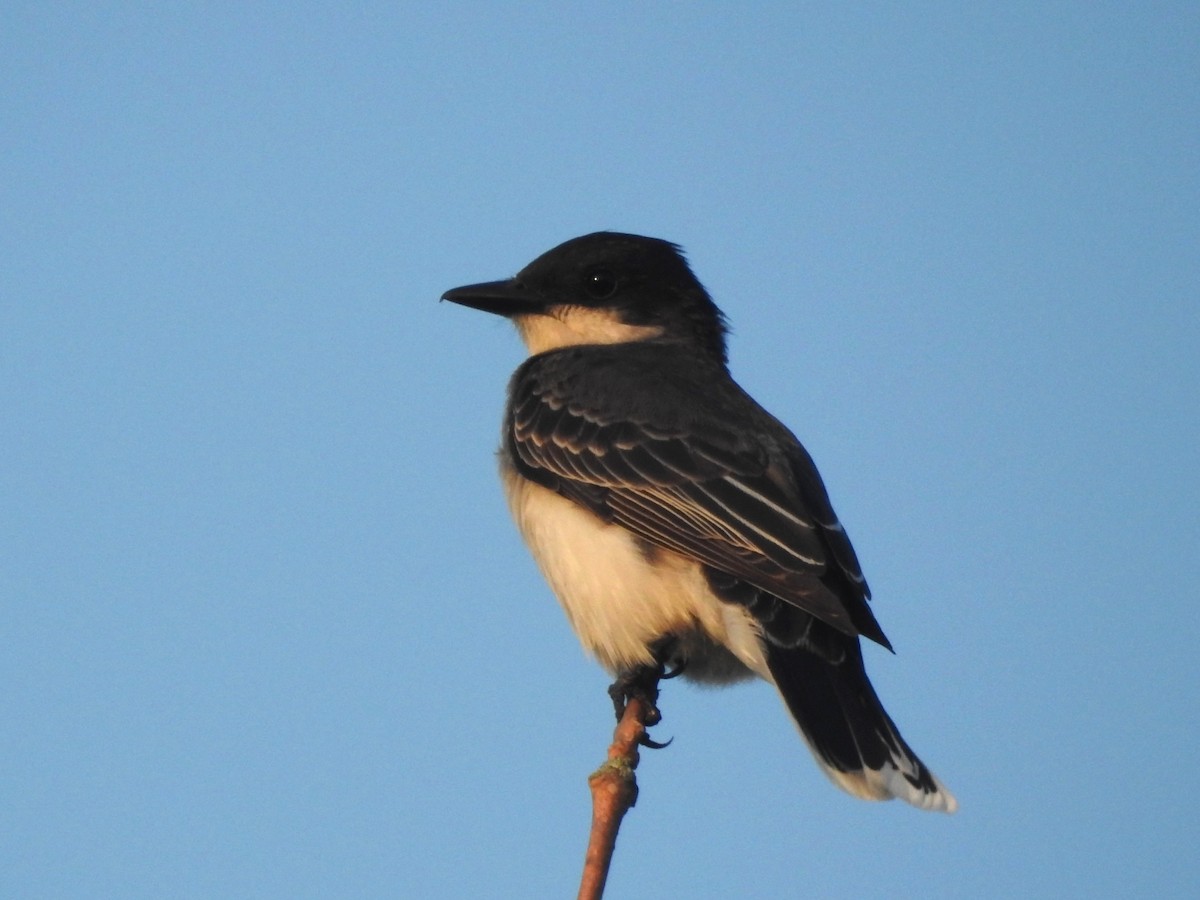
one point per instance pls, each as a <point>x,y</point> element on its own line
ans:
<point>600,283</point>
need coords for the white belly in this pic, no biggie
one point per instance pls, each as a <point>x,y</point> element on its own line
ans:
<point>618,602</point>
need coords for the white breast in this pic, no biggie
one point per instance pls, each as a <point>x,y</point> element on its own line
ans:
<point>616,600</point>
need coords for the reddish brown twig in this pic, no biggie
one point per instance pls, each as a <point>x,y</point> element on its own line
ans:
<point>614,791</point>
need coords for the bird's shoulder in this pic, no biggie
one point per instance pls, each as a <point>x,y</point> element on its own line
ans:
<point>657,390</point>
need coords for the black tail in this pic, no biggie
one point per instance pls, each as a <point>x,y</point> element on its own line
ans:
<point>845,725</point>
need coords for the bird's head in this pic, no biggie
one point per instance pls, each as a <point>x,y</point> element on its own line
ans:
<point>604,288</point>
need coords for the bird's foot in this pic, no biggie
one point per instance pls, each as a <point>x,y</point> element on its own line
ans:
<point>641,683</point>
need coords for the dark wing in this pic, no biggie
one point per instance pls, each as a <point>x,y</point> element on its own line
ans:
<point>720,481</point>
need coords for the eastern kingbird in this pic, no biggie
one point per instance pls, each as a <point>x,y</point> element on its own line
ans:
<point>679,523</point>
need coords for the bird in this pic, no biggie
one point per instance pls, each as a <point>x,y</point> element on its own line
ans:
<point>683,528</point>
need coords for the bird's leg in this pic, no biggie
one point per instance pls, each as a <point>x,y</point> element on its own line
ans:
<point>641,682</point>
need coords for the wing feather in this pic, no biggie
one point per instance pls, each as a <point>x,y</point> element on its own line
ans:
<point>751,507</point>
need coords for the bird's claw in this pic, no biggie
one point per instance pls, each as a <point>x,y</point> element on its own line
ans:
<point>648,742</point>
<point>667,674</point>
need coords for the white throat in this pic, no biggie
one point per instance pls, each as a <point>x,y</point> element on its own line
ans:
<point>566,326</point>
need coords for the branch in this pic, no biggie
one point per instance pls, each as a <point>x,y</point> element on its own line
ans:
<point>614,791</point>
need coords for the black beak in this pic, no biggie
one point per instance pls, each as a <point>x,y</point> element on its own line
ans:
<point>504,298</point>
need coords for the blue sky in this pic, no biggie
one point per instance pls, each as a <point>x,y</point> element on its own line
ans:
<point>267,630</point>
